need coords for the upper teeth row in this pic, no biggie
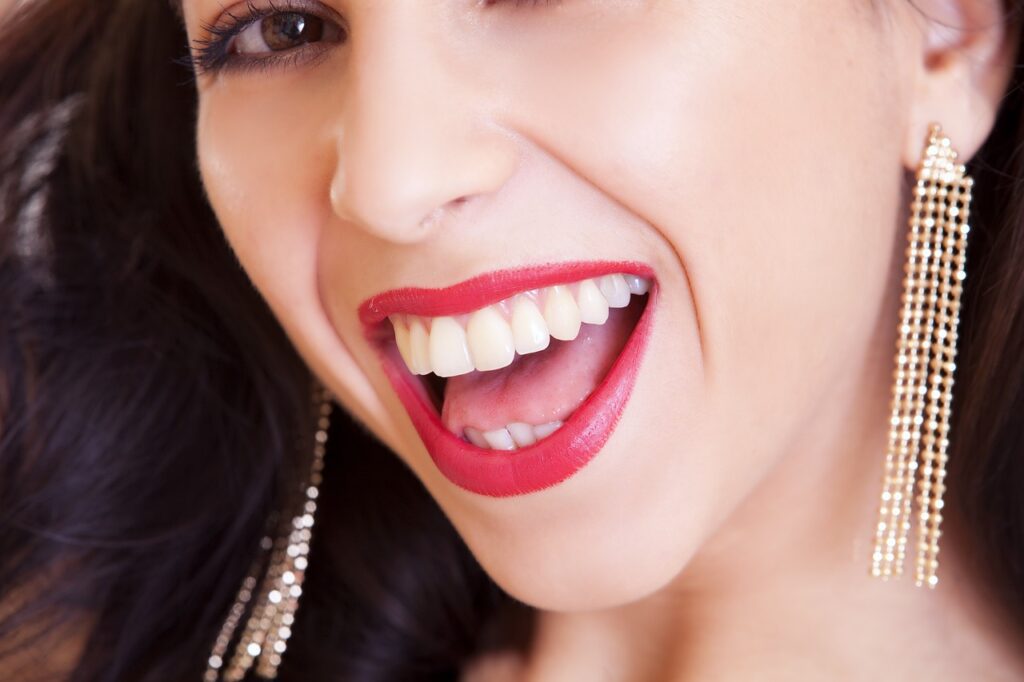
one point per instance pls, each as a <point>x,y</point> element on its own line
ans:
<point>489,338</point>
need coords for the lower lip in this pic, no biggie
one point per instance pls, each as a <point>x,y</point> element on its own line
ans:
<point>546,463</point>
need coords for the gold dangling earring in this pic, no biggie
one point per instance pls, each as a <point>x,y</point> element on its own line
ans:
<point>272,612</point>
<point>925,361</point>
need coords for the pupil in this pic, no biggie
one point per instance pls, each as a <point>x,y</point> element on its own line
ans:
<point>288,30</point>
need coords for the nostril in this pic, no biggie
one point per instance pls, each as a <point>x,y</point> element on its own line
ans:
<point>432,219</point>
<point>436,216</point>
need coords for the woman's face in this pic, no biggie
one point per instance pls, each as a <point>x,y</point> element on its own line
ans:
<point>746,158</point>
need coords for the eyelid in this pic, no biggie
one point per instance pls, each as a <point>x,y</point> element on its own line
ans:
<point>250,9</point>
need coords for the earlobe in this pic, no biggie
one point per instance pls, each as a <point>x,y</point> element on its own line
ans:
<point>964,65</point>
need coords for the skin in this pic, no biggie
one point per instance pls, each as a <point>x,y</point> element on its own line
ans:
<point>755,154</point>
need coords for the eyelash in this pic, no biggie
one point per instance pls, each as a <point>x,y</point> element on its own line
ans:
<point>212,53</point>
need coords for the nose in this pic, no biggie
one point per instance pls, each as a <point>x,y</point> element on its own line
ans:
<point>415,141</point>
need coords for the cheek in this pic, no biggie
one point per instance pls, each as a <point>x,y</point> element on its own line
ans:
<point>265,177</point>
<point>770,167</point>
<point>268,181</point>
<point>794,210</point>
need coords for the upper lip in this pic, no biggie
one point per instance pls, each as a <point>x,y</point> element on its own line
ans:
<point>484,289</point>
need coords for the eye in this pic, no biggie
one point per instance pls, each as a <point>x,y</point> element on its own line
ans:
<point>263,35</point>
<point>283,31</point>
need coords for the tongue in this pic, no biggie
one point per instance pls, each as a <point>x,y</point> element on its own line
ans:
<point>541,387</point>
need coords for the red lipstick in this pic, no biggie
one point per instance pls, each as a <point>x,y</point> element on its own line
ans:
<point>550,460</point>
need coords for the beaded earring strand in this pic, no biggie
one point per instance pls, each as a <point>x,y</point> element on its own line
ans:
<point>925,362</point>
<point>272,612</point>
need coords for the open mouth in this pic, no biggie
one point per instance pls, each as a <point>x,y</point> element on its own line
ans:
<point>515,379</point>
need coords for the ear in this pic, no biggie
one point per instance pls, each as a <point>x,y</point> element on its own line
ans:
<point>963,66</point>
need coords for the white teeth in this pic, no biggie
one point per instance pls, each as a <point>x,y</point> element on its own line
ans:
<point>419,347</point>
<point>562,314</point>
<point>522,434</point>
<point>615,290</point>
<point>593,305</point>
<point>402,339</point>
<point>449,351</point>
<point>529,330</point>
<point>476,437</point>
<point>637,285</point>
<point>545,430</point>
<point>512,437</point>
<point>490,340</point>
<point>500,439</point>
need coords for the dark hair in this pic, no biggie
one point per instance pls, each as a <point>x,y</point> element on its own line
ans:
<point>150,405</point>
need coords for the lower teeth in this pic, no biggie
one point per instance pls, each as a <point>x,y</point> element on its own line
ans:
<point>512,437</point>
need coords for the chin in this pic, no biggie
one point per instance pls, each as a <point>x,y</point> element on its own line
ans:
<point>587,576</point>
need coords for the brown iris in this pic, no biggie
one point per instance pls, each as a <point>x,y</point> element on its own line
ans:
<point>289,30</point>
